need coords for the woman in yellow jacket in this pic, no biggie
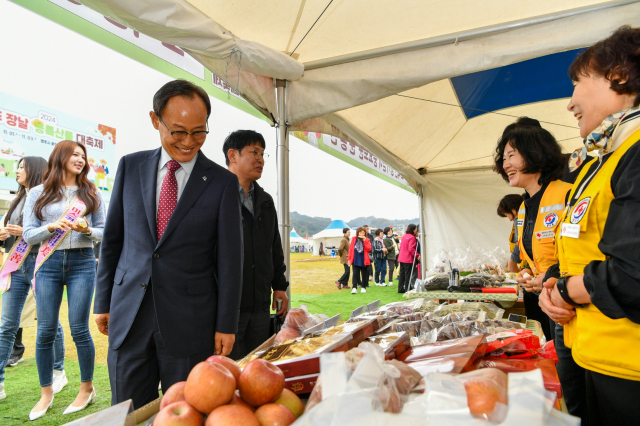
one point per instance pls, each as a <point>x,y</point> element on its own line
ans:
<point>597,296</point>
<point>529,157</point>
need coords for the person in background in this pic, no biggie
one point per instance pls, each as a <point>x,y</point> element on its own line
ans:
<point>370,266</point>
<point>65,215</point>
<point>407,257</point>
<point>391,244</point>
<point>18,304</point>
<point>321,250</point>
<point>263,278</point>
<point>508,207</point>
<point>595,292</point>
<point>359,259</point>
<point>343,253</point>
<point>380,259</point>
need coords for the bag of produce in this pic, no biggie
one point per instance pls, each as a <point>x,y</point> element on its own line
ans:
<point>480,280</point>
<point>491,310</point>
<point>464,316</point>
<point>436,282</point>
<point>300,319</point>
<point>487,393</point>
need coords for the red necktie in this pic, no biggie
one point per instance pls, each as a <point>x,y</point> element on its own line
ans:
<point>168,197</point>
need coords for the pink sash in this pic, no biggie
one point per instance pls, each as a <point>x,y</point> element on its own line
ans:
<point>47,248</point>
<point>17,255</point>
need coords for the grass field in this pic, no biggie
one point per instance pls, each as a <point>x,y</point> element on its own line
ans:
<point>312,284</point>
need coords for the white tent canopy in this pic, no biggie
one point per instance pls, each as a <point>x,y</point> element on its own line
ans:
<point>329,237</point>
<point>382,74</point>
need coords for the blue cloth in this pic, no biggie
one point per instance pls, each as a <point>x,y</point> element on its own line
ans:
<point>358,256</point>
<point>35,231</point>
<point>381,270</point>
<point>75,269</point>
<point>13,301</point>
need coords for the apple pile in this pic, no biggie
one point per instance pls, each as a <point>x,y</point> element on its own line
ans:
<point>217,390</point>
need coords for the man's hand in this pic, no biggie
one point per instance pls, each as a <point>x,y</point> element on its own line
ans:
<point>279,294</point>
<point>224,343</point>
<point>102,321</point>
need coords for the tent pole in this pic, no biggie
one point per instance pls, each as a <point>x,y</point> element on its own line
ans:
<point>282,157</point>
<point>423,233</point>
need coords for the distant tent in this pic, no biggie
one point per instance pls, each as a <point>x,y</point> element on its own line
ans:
<point>330,237</point>
<point>295,240</point>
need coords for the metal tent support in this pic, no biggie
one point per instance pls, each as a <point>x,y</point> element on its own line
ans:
<point>423,232</point>
<point>282,159</point>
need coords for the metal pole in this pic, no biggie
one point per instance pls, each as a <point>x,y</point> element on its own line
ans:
<point>423,233</point>
<point>282,159</point>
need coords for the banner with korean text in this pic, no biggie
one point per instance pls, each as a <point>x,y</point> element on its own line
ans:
<point>30,129</point>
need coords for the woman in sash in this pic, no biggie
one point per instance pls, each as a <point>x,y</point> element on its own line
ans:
<point>65,216</point>
<point>17,273</point>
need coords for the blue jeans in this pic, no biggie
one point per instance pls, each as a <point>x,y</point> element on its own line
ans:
<point>12,303</point>
<point>381,270</point>
<point>77,270</point>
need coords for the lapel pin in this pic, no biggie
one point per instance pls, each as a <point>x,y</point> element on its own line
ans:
<point>204,178</point>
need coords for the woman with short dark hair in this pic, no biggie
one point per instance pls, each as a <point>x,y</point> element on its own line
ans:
<point>529,157</point>
<point>359,260</point>
<point>596,296</point>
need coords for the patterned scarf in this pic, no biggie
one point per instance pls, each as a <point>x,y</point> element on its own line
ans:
<point>359,245</point>
<point>600,139</point>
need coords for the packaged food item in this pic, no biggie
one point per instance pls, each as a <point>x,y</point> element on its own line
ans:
<point>404,308</point>
<point>388,327</point>
<point>547,366</point>
<point>412,328</point>
<point>287,333</point>
<point>448,332</point>
<point>436,282</point>
<point>390,342</point>
<point>472,344</point>
<point>520,343</point>
<point>300,319</point>
<point>464,316</point>
<point>497,326</point>
<point>416,316</point>
<point>481,280</point>
<point>491,310</point>
<point>487,393</point>
<point>549,351</point>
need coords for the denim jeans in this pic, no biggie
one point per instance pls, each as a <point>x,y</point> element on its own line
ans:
<point>12,303</point>
<point>381,270</point>
<point>75,269</point>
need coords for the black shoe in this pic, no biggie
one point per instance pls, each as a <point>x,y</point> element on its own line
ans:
<point>14,360</point>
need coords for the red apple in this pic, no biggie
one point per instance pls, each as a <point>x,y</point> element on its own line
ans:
<point>209,386</point>
<point>232,415</point>
<point>179,414</point>
<point>236,400</point>
<point>291,401</point>
<point>286,333</point>
<point>227,363</point>
<point>174,394</point>
<point>274,415</point>
<point>260,383</point>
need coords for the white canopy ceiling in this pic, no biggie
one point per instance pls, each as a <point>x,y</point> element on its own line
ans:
<point>379,73</point>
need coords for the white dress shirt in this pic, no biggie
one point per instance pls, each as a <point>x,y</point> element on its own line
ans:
<point>182,174</point>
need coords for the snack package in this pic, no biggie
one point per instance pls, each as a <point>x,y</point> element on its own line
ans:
<point>464,316</point>
<point>549,351</point>
<point>491,310</point>
<point>398,380</point>
<point>412,328</point>
<point>416,316</point>
<point>404,308</point>
<point>487,393</point>
<point>481,280</point>
<point>520,343</point>
<point>435,282</point>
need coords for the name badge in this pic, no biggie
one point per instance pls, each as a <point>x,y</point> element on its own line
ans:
<point>545,234</point>
<point>519,222</point>
<point>570,230</point>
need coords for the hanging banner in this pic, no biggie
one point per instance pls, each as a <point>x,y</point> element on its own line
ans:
<point>29,129</point>
<point>356,156</point>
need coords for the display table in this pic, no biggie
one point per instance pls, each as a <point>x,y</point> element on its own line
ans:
<point>505,300</point>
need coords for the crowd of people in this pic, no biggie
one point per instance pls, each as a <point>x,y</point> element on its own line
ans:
<point>577,231</point>
<point>377,254</point>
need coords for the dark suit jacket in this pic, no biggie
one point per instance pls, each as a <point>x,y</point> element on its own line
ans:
<point>196,283</point>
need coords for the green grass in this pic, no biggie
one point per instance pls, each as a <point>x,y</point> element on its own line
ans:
<point>343,302</point>
<point>23,393</point>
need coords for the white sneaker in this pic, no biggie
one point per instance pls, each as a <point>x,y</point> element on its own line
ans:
<point>391,284</point>
<point>363,290</point>
<point>383,284</point>
<point>378,284</point>
<point>354,291</point>
<point>59,380</point>
<point>3,395</point>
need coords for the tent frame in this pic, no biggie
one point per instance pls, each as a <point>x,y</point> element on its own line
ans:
<point>282,160</point>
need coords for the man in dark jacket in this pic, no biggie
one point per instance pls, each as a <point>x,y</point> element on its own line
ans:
<point>370,265</point>
<point>264,267</point>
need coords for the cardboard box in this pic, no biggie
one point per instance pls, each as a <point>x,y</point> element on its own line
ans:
<point>301,384</point>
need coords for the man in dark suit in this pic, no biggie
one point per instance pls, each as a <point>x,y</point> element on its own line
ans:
<point>170,272</point>
<point>264,267</point>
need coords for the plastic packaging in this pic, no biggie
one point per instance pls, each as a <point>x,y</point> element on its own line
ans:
<point>464,316</point>
<point>481,280</point>
<point>300,319</point>
<point>435,282</point>
<point>513,344</point>
<point>487,393</point>
<point>286,333</point>
<point>492,311</point>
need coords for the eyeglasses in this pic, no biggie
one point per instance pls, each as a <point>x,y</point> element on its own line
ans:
<point>178,135</point>
<point>258,155</point>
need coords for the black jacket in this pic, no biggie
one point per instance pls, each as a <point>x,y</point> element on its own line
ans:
<point>264,267</point>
